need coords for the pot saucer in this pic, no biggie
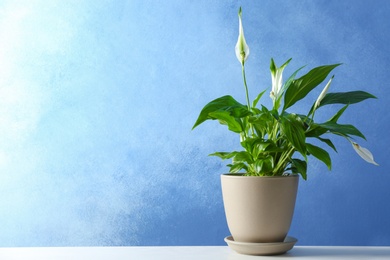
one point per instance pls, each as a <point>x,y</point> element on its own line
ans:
<point>276,248</point>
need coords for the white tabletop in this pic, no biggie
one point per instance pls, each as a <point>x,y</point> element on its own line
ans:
<point>187,252</point>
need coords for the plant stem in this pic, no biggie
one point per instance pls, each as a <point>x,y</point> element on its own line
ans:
<point>285,156</point>
<point>247,97</point>
<point>246,87</point>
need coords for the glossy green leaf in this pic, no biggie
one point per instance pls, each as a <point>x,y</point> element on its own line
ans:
<point>250,143</point>
<point>225,118</point>
<point>256,100</point>
<point>328,142</point>
<point>224,155</point>
<point>236,167</point>
<point>291,79</point>
<point>262,121</point>
<point>351,97</point>
<point>344,130</point>
<point>264,165</point>
<point>336,117</point>
<point>320,154</point>
<point>315,130</point>
<point>299,166</point>
<point>243,156</point>
<point>293,129</point>
<point>299,88</point>
<point>225,103</point>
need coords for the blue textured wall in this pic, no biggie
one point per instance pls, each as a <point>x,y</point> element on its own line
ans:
<point>97,101</point>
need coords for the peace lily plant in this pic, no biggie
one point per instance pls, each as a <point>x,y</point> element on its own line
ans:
<point>276,141</point>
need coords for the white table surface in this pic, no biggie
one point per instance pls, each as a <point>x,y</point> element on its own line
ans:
<point>188,252</point>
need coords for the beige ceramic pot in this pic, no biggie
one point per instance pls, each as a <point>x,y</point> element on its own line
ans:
<point>259,209</point>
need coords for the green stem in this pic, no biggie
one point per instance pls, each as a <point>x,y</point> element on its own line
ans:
<point>285,156</point>
<point>312,116</point>
<point>247,97</point>
<point>274,132</point>
<point>246,87</point>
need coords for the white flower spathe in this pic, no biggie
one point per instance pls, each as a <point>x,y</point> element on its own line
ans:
<point>323,93</point>
<point>364,153</point>
<point>277,79</point>
<point>242,49</point>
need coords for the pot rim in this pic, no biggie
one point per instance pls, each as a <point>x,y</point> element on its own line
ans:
<point>241,175</point>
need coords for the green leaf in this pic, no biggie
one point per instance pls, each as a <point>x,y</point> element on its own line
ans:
<point>225,103</point>
<point>315,130</point>
<point>338,114</point>
<point>250,143</point>
<point>344,130</point>
<point>299,166</point>
<point>224,155</point>
<point>293,129</point>
<point>262,121</point>
<point>264,165</point>
<point>320,154</point>
<point>306,120</point>
<point>272,147</point>
<point>291,79</point>
<point>328,142</point>
<point>261,118</point>
<point>236,167</point>
<point>225,118</point>
<point>243,156</point>
<point>351,97</point>
<point>275,114</point>
<point>299,88</point>
<point>256,100</point>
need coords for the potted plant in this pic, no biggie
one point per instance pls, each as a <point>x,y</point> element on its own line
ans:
<point>260,190</point>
